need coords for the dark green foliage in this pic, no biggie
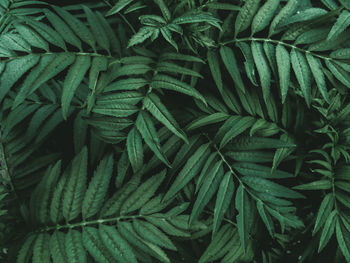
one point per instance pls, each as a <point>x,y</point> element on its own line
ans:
<point>174,131</point>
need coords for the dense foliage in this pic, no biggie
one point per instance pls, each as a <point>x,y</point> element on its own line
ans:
<point>175,131</point>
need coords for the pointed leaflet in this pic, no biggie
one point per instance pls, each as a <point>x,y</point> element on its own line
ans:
<point>73,79</point>
<point>283,67</point>
<point>302,73</point>
<point>118,6</point>
<point>98,64</point>
<point>246,15</point>
<point>41,251</point>
<point>285,12</point>
<point>328,230</point>
<point>340,26</point>
<point>263,68</point>
<point>57,247</point>
<point>26,251</point>
<point>323,212</point>
<point>63,29</point>
<point>343,237</point>
<point>213,62</point>
<point>264,15</point>
<point>147,130</point>
<point>135,149</point>
<point>207,120</point>
<point>166,82</point>
<point>74,247</point>
<point>207,190</point>
<point>239,126</point>
<point>98,187</point>
<point>97,29</point>
<point>266,218</point>
<point>152,234</point>
<point>14,70</point>
<point>223,199</point>
<point>266,186</point>
<point>94,245</point>
<point>230,62</point>
<point>77,26</point>
<point>128,232</point>
<point>253,169</point>
<point>33,38</point>
<point>75,186</point>
<point>143,193</point>
<point>243,218</point>
<point>217,244</point>
<point>339,73</point>
<point>317,71</point>
<point>316,185</point>
<point>47,69</point>
<point>190,169</point>
<point>154,105</point>
<point>116,244</point>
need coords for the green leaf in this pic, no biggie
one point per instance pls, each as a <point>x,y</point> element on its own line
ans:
<point>154,105</point>
<point>48,67</point>
<point>266,218</point>
<point>75,186</point>
<point>152,234</point>
<point>343,237</point>
<point>97,29</point>
<point>217,243</point>
<point>283,66</point>
<point>197,17</point>
<point>207,189</point>
<point>14,70</point>
<point>342,53</point>
<point>302,73</point>
<point>207,120</point>
<point>238,127</point>
<point>116,244</point>
<point>143,193</point>
<point>26,251</point>
<point>63,29</point>
<point>263,68</point>
<point>98,187</point>
<point>57,247</point>
<point>33,38</point>
<point>135,149</point>
<point>143,34</point>
<point>243,207</point>
<point>41,251</point>
<point>94,245</point>
<point>166,82</point>
<point>316,185</point>
<point>230,62</point>
<point>72,81</point>
<point>328,230</point>
<point>223,200</point>
<point>126,84</point>
<point>129,233</point>
<point>264,15</point>
<point>341,25</point>
<point>77,26</point>
<point>213,62</point>
<point>190,170</point>
<point>245,15</point>
<point>252,169</point>
<point>74,247</point>
<point>118,6</point>
<point>266,186</point>
<point>317,72</point>
<point>145,126</point>
<point>339,73</point>
<point>283,14</point>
